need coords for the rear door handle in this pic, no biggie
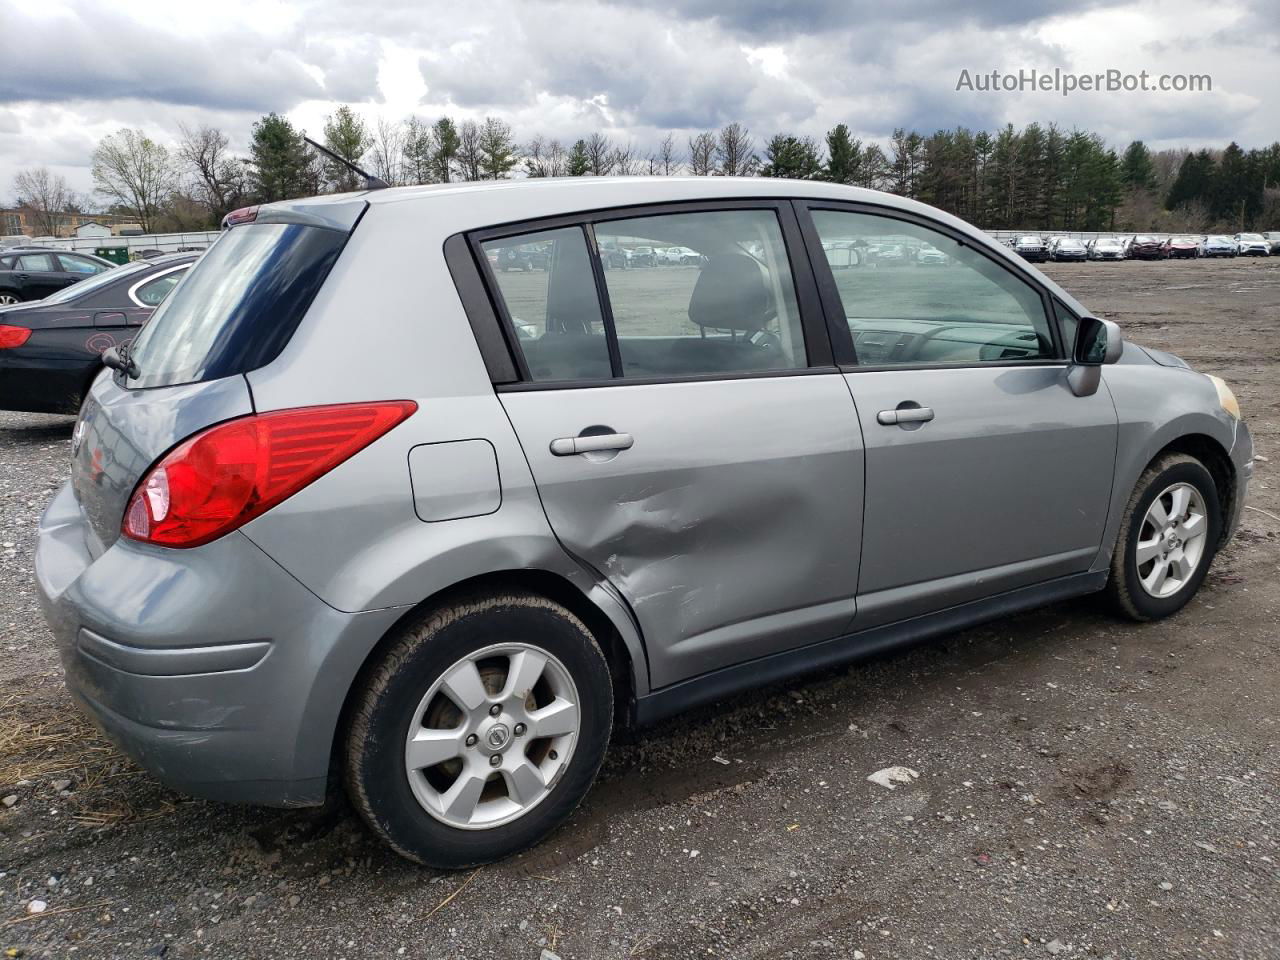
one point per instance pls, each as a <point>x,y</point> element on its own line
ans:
<point>568,446</point>
<point>905,415</point>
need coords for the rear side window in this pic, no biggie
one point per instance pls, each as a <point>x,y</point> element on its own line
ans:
<point>687,294</point>
<point>549,290</point>
<point>238,306</point>
<point>729,307</point>
<point>152,294</point>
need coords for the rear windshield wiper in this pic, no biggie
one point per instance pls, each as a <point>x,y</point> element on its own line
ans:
<point>117,358</point>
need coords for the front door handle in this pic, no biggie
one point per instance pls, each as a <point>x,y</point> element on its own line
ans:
<point>905,415</point>
<point>592,443</point>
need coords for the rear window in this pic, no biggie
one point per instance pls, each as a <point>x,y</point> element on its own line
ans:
<point>238,306</point>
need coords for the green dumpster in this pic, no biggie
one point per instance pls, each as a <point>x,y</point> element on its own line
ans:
<point>114,254</point>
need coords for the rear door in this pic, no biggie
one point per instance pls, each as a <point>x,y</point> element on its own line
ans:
<point>984,471</point>
<point>690,439</point>
<point>38,275</point>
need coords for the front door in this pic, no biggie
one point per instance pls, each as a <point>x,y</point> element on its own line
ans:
<point>683,446</point>
<point>984,471</point>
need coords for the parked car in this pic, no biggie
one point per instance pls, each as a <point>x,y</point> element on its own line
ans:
<point>1068,248</point>
<point>1185,248</point>
<point>441,567</point>
<point>1219,246</point>
<point>1031,248</point>
<point>643,257</point>
<point>1253,245</point>
<point>529,256</point>
<point>51,349</point>
<point>1146,247</point>
<point>929,255</point>
<point>890,255</point>
<point>1106,248</point>
<point>31,273</point>
<point>612,257</point>
<point>1273,238</point>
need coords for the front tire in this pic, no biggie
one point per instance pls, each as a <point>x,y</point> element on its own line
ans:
<point>480,730</point>
<point>1168,537</point>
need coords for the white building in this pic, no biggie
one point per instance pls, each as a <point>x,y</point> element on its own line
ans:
<point>92,229</point>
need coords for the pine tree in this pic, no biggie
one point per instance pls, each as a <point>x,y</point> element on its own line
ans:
<point>446,145</point>
<point>497,150</point>
<point>793,157</point>
<point>1137,171</point>
<point>579,164</point>
<point>347,136</point>
<point>844,155</point>
<point>279,160</point>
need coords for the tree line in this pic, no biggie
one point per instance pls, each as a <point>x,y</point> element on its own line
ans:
<point>1039,177</point>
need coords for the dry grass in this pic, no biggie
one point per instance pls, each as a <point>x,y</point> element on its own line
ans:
<point>40,740</point>
<point>45,738</point>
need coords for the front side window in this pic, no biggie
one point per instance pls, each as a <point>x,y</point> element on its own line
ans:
<point>36,263</point>
<point>726,304</point>
<point>903,309</point>
<point>80,265</point>
<point>549,291</point>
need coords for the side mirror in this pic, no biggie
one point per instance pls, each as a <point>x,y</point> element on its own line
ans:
<point>1098,342</point>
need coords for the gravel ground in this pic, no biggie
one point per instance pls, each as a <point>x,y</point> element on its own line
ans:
<point>1087,787</point>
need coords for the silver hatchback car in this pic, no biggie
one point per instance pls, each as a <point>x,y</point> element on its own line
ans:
<point>360,506</point>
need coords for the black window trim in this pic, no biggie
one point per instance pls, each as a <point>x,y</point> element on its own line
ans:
<point>485,315</point>
<point>837,324</point>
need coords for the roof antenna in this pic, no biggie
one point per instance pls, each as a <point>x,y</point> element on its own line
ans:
<point>370,181</point>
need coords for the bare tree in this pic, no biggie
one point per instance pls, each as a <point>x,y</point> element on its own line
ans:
<point>600,155</point>
<point>387,153</point>
<point>737,151</point>
<point>221,181</point>
<point>625,161</point>
<point>132,170</point>
<point>704,154</point>
<point>544,158</point>
<point>45,196</point>
<point>470,154</point>
<point>666,160</point>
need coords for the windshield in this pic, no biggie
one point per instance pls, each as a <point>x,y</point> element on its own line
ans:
<point>1250,236</point>
<point>1028,239</point>
<point>238,306</point>
<point>1145,240</point>
<point>1185,240</point>
<point>78,290</point>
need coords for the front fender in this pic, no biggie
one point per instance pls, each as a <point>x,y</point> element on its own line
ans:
<point>1157,405</point>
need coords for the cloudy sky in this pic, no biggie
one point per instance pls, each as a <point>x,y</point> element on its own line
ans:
<point>74,71</point>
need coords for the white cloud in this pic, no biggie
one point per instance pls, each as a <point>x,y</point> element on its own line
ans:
<point>565,67</point>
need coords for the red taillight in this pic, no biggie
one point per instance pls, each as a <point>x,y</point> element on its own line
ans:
<point>222,478</point>
<point>243,215</point>
<point>11,336</point>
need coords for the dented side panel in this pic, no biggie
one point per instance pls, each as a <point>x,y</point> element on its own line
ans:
<point>732,526</point>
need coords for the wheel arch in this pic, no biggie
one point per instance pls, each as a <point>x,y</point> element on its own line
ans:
<point>627,666</point>
<point>1216,460</point>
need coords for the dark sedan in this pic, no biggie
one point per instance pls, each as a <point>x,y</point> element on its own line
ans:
<point>51,350</point>
<point>1148,248</point>
<point>31,273</point>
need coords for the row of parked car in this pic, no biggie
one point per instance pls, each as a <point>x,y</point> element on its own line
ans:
<point>60,311</point>
<point>1145,247</point>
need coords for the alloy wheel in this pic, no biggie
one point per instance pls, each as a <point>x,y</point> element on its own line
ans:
<point>492,736</point>
<point>1172,539</point>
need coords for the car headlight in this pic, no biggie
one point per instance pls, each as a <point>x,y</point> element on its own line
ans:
<point>1226,397</point>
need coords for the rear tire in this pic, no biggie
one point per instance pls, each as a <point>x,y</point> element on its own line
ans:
<point>1164,550</point>
<point>415,696</point>
<point>9,297</point>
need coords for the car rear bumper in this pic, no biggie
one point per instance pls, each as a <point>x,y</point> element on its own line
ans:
<point>213,668</point>
<point>39,385</point>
